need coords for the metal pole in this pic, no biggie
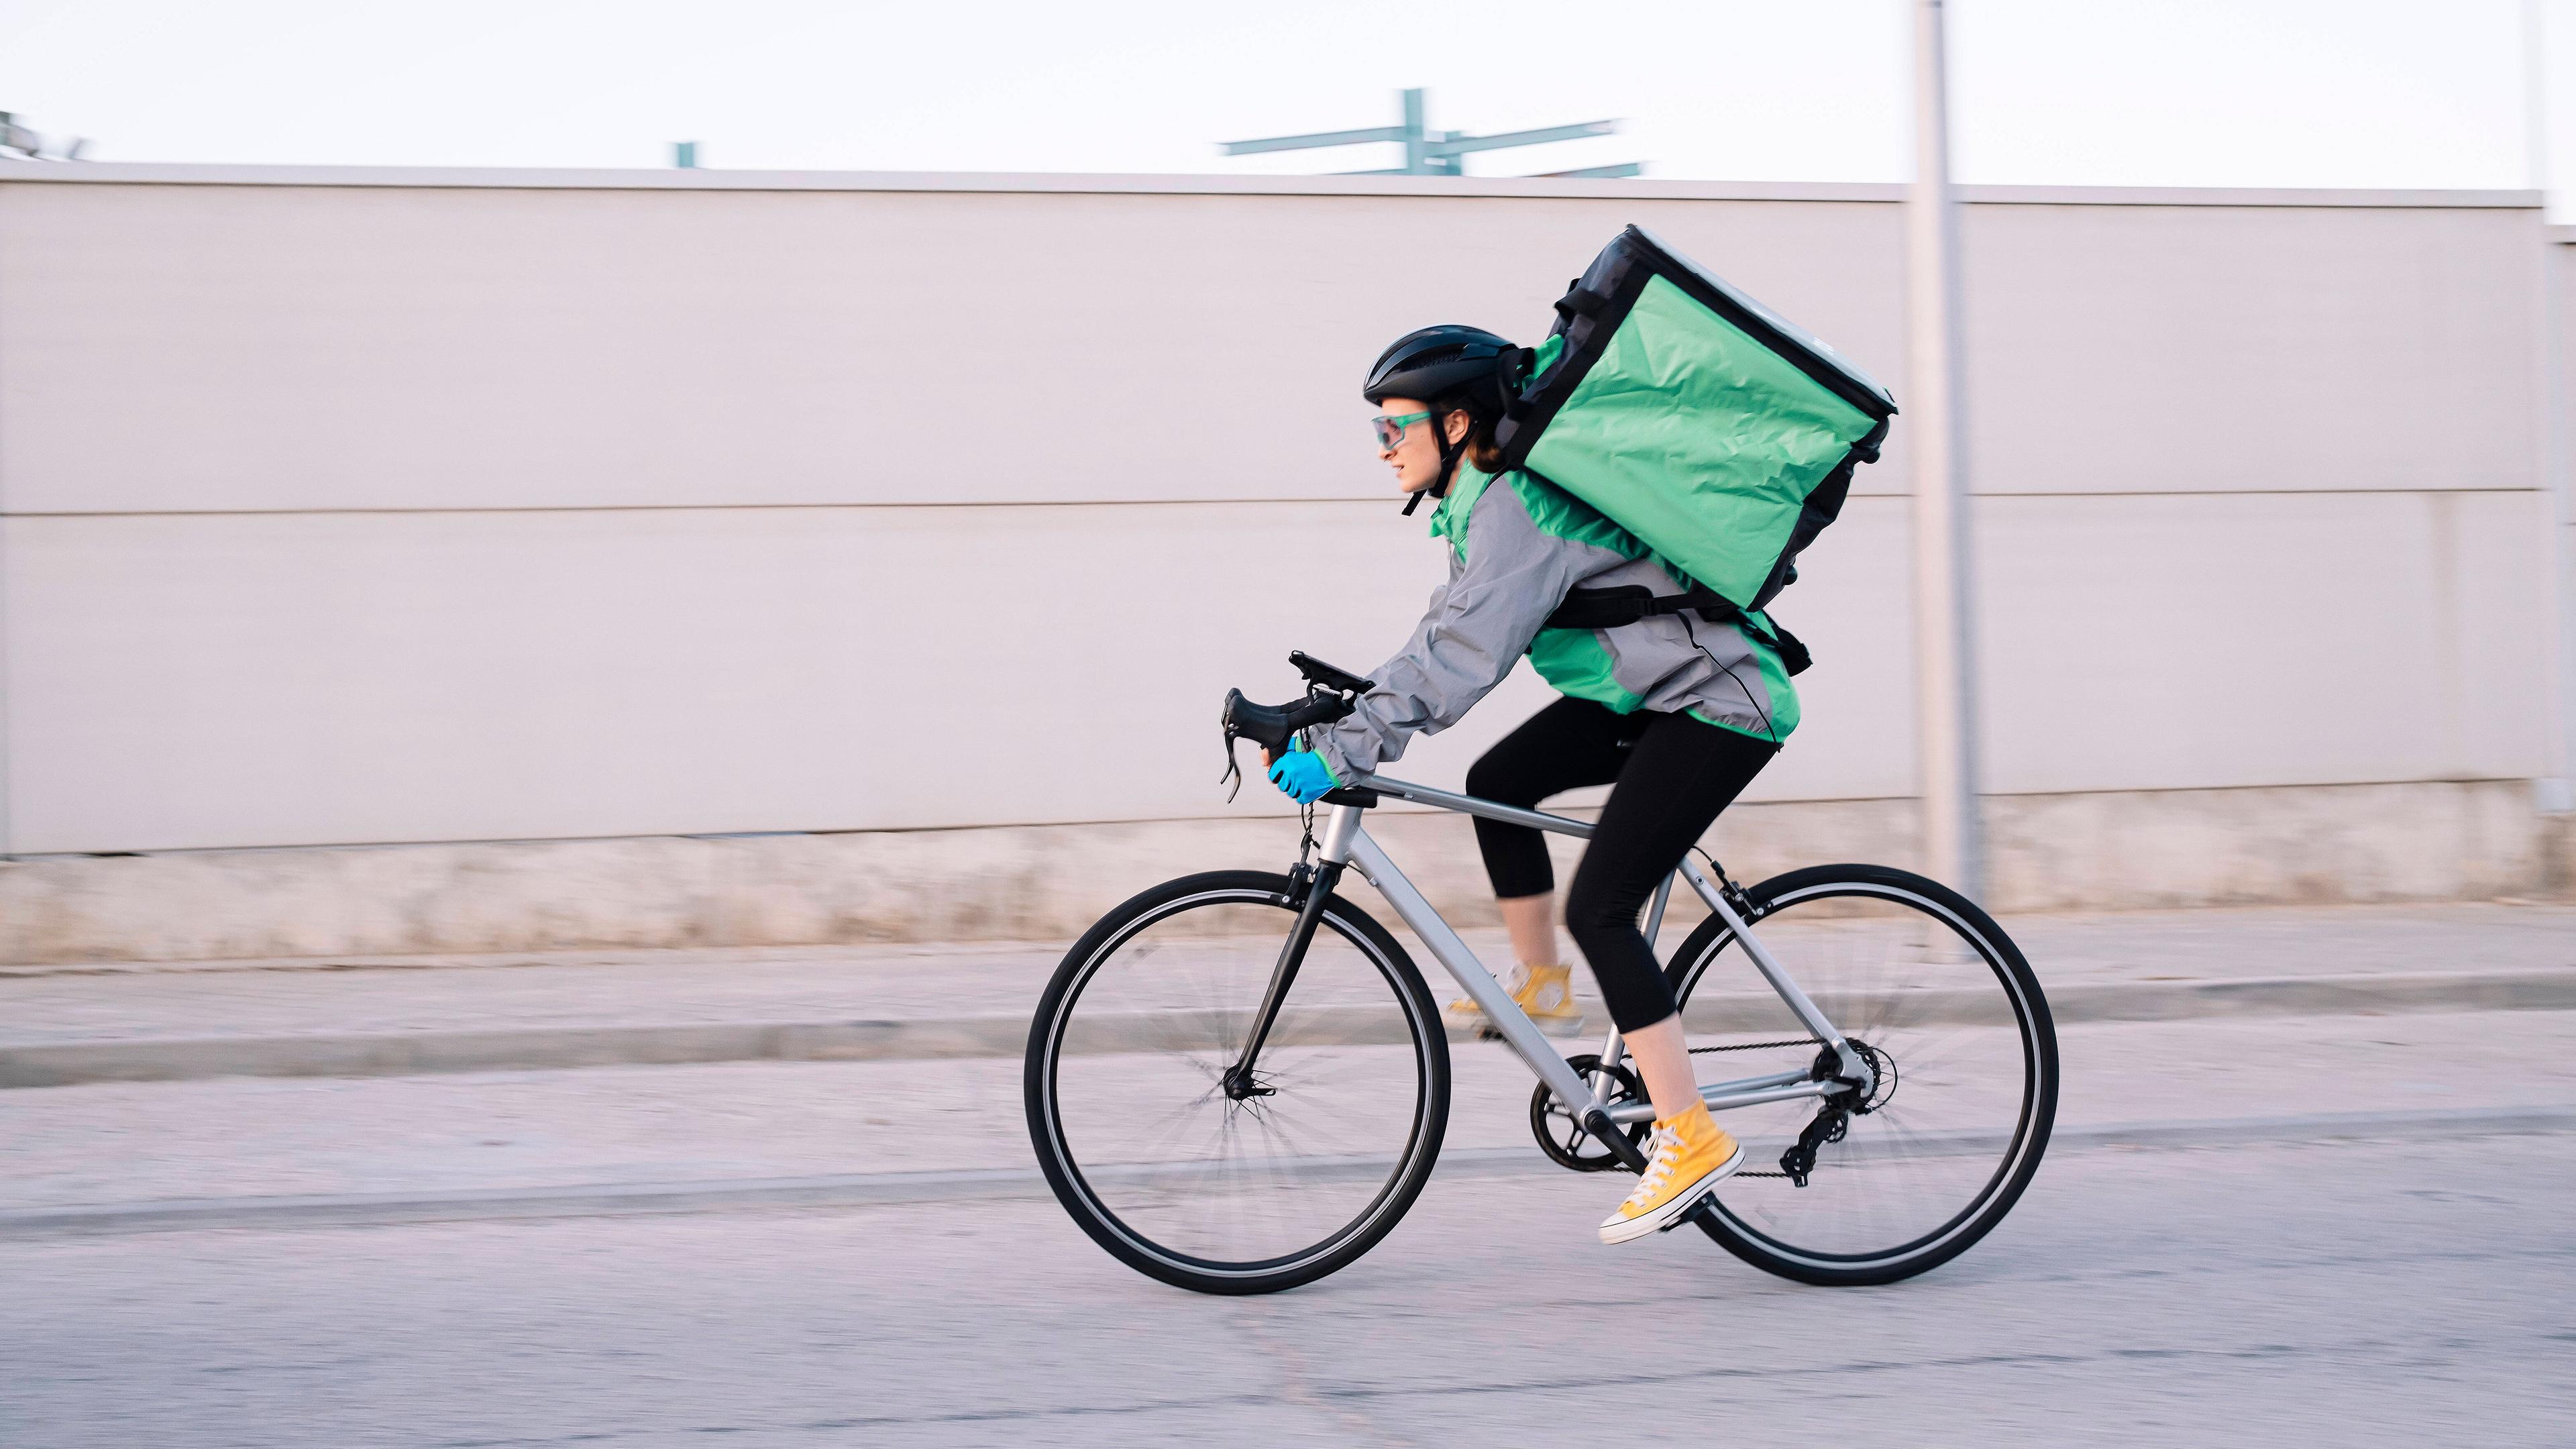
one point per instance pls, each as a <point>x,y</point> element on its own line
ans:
<point>1417,161</point>
<point>2535,96</point>
<point>1944,625</point>
<point>2555,795</point>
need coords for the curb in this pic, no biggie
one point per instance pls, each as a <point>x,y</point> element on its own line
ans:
<point>396,1054</point>
<point>877,1189</point>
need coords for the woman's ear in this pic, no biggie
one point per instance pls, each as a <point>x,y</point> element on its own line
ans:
<point>1456,426</point>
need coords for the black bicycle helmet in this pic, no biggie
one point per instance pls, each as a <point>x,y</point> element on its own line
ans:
<point>1441,364</point>
<point>1450,366</point>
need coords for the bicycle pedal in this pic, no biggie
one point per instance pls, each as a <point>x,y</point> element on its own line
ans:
<point>1691,1214</point>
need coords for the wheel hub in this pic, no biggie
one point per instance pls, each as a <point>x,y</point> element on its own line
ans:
<point>1882,1074</point>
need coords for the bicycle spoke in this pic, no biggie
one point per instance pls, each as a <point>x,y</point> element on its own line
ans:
<point>1935,1147</point>
<point>1175,1159</point>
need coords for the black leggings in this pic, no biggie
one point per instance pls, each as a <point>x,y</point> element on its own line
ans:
<point>1672,775</point>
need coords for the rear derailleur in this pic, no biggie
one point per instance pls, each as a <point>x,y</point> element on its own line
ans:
<point>1833,1120</point>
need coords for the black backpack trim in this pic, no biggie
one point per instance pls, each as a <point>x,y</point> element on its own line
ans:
<point>1629,603</point>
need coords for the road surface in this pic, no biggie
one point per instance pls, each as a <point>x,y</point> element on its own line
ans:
<point>2345,1292</point>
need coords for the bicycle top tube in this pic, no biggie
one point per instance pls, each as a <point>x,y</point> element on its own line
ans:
<point>1470,805</point>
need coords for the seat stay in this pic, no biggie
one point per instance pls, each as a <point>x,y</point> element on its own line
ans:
<point>1812,1016</point>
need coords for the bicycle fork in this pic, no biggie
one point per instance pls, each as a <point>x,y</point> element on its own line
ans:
<point>1241,1080</point>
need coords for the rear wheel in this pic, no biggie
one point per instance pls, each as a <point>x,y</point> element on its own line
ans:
<point>1181,1179</point>
<point>1946,1011</point>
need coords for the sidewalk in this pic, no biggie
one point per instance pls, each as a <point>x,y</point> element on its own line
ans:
<point>70,1025</point>
<point>2179,1032</point>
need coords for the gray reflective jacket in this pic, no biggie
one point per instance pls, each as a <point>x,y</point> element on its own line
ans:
<point>1518,545</point>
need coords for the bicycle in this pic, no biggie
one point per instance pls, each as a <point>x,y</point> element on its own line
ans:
<point>1210,1132</point>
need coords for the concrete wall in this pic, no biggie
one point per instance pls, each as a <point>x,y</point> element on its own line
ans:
<point>2117,850</point>
<point>365,508</point>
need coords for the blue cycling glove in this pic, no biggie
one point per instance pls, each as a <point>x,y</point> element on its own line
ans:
<point>1302,775</point>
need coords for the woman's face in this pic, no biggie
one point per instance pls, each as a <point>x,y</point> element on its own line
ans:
<point>1415,457</point>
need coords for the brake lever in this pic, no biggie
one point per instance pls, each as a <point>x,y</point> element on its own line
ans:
<point>1297,739</point>
<point>1233,766</point>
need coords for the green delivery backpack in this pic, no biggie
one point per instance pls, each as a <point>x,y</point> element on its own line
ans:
<point>1691,415</point>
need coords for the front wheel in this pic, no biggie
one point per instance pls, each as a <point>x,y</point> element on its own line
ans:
<point>1941,1004</point>
<point>1211,1189</point>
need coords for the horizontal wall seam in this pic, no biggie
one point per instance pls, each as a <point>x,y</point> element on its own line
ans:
<point>33,857</point>
<point>1205,184</point>
<point>1856,497</point>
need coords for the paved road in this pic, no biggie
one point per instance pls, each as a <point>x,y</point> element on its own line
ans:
<point>66,1148</point>
<point>2409,1289</point>
<point>2351,1294</point>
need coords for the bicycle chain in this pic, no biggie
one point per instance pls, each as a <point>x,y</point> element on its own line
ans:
<point>1755,1046</point>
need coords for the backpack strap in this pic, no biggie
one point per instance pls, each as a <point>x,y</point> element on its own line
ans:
<point>1611,608</point>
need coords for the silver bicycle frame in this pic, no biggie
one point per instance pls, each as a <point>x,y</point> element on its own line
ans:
<point>1346,842</point>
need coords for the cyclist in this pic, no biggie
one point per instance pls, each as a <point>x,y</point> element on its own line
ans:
<point>1674,712</point>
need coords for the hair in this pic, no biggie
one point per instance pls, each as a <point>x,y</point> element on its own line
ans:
<point>1481,450</point>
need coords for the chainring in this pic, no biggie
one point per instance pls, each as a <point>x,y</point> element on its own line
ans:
<point>1562,1139</point>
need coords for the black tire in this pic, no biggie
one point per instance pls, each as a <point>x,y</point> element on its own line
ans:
<point>1362,997</point>
<point>1926,1194</point>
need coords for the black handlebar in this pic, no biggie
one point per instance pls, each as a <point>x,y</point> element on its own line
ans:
<point>1270,725</point>
<point>1330,677</point>
<point>1331,694</point>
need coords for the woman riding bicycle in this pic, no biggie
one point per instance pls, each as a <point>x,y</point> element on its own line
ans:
<point>1674,712</point>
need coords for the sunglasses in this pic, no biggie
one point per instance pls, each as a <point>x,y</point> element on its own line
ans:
<point>1390,430</point>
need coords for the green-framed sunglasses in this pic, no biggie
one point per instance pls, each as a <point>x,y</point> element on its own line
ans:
<point>1390,430</point>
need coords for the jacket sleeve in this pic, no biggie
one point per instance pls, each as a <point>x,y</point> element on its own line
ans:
<point>1478,625</point>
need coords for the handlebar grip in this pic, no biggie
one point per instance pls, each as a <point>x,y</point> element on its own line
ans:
<point>1271,725</point>
<point>1317,709</point>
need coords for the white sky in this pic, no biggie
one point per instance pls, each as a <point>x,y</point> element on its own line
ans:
<point>2144,92</point>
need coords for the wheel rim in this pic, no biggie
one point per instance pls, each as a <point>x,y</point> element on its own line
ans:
<point>1910,978</point>
<point>1157,1150</point>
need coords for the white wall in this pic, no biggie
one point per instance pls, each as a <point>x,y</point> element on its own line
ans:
<point>335,510</point>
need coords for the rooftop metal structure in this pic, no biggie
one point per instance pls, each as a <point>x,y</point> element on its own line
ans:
<point>16,139</point>
<point>1438,153</point>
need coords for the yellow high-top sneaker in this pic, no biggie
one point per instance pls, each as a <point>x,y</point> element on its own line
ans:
<point>1546,993</point>
<point>1684,1158</point>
